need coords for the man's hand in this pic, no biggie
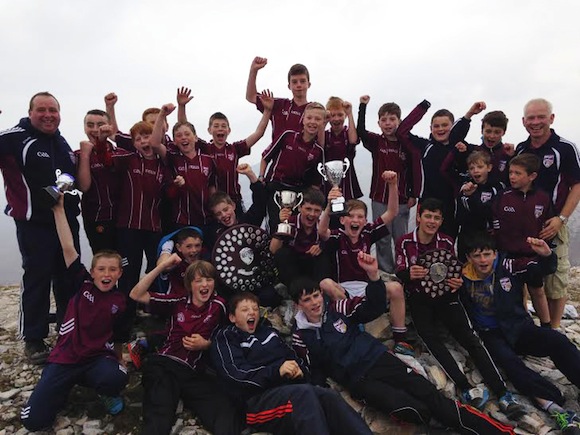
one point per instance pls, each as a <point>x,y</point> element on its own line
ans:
<point>291,370</point>
<point>417,272</point>
<point>365,99</point>
<point>183,96</point>
<point>195,342</point>
<point>369,264</point>
<point>258,63</point>
<point>551,228</point>
<point>539,246</point>
<point>111,99</point>
<point>315,250</point>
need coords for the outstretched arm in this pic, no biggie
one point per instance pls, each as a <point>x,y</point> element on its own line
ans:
<point>84,166</point>
<point>393,201</point>
<point>251,90</point>
<point>140,292</point>
<point>156,140</point>
<point>110,101</point>
<point>183,97</point>
<point>65,236</point>
<point>324,224</point>
<point>352,135</point>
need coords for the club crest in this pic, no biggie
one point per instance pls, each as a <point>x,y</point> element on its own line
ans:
<point>340,326</point>
<point>548,160</point>
<point>538,210</point>
<point>506,284</point>
<point>485,196</point>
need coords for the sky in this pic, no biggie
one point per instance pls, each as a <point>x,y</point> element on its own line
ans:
<point>451,53</point>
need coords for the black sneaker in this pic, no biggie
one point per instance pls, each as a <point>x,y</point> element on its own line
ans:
<point>36,351</point>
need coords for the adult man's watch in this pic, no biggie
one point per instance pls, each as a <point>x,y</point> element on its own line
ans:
<point>564,219</point>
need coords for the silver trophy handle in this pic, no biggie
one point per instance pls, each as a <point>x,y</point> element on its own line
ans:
<point>277,196</point>
<point>346,167</point>
<point>322,171</point>
<point>298,201</point>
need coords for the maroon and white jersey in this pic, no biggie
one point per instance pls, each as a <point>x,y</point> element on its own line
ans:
<point>187,319</point>
<point>346,252</point>
<point>176,283</point>
<point>87,328</point>
<point>190,200</point>
<point>226,161</point>
<point>337,147</point>
<point>286,115</point>
<point>408,249</point>
<point>301,242</point>
<point>100,202</point>
<point>291,158</point>
<point>389,156</point>
<point>517,216</point>
<point>142,182</point>
<point>125,141</point>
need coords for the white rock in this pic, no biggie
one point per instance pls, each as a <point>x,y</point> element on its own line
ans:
<point>437,376</point>
<point>91,424</point>
<point>65,431</point>
<point>9,394</point>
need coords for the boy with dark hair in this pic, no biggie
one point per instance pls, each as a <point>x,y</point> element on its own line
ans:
<point>358,236</point>
<point>266,377</point>
<point>83,353</point>
<point>389,155</point>
<point>178,370</point>
<point>426,311</point>
<point>302,253</point>
<point>326,334</point>
<point>493,296</point>
<point>518,213</point>
<point>433,152</point>
<point>476,196</point>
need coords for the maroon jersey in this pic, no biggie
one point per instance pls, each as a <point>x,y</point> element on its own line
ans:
<point>286,115</point>
<point>337,147</point>
<point>100,202</point>
<point>517,216</point>
<point>408,249</point>
<point>389,156</point>
<point>176,283</point>
<point>187,319</point>
<point>125,141</point>
<point>226,161</point>
<point>346,252</point>
<point>291,158</point>
<point>301,242</point>
<point>190,202</point>
<point>142,183</point>
<point>87,328</point>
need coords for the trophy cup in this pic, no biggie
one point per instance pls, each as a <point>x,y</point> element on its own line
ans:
<point>286,199</point>
<point>64,183</point>
<point>333,172</point>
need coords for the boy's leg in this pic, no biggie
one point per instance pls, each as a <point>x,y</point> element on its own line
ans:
<point>340,416</point>
<point>524,379</point>
<point>556,285</point>
<point>535,283</point>
<point>454,317</point>
<point>423,314</point>
<point>106,375</point>
<point>202,394</point>
<point>396,298</point>
<point>49,396</point>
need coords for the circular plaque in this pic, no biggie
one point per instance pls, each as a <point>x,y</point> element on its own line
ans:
<point>242,257</point>
<point>441,265</point>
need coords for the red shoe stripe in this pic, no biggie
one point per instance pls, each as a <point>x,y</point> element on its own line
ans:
<point>269,414</point>
<point>504,428</point>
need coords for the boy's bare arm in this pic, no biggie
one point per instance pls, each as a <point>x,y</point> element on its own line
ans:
<point>324,224</point>
<point>65,236</point>
<point>110,101</point>
<point>140,292</point>
<point>183,97</point>
<point>268,102</point>
<point>352,134</point>
<point>393,201</point>
<point>362,110</point>
<point>84,166</point>
<point>251,90</point>
<point>156,140</point>
<point>246,169</point>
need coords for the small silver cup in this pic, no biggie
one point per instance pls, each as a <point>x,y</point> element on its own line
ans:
<point>64,183</point>
<point>333,172</point>
<point>286,199</point>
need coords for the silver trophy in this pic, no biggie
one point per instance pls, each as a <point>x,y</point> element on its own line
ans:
<point>64,183</point>
<point>286,199</point>
<point>333,172</point>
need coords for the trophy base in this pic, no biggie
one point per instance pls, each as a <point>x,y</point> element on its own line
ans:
<point>283,231</point>
<point>337,206</point>
<point>52,194</point>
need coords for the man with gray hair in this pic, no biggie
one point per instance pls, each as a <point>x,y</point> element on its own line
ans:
<point>559,176</point>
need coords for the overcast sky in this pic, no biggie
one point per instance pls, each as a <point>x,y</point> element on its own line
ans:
<point>449,52</point>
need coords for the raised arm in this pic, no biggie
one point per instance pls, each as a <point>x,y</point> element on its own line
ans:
<point>268,102</point>
<point>84,180</point>
<point>110,101</point>
<point>251,90</point>
<point>65,236</point>
<point>352,133</point>
<point>324,224</point>
<point>183,97</point>
<point>158,134</point>
<point>413,118</point>
<point>393,201</point>
<point>140,292</point>
<point>362,111</point>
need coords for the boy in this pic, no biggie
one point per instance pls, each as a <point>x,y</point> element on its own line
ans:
<point>389,155</point>
<point>358,236</point>
<point>177,371</point>
<point>433,152</point>
<point>340,143</point>
<point>493,296</point>
<point>84,350</point>
<point>475,199</point>
<point>292,155</point>
<point>447,309</point>
<point>265,376</point>
<point>98,181</point>
<point>519,213</point>
<point>327,336</point>
<point>302,253</point>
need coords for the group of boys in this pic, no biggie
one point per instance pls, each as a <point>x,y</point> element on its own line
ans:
<point>324,261</point>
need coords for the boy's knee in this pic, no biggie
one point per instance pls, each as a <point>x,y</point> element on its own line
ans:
<point>394,290</point>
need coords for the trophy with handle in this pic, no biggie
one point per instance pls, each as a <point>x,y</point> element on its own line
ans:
<point>333,172</point>
<point>286,199</point>
<point>64,183</point>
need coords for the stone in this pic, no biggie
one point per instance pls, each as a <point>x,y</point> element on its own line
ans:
<point>9,394</point>
<point>437,376</point>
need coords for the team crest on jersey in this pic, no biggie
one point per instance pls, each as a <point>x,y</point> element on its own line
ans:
<point>548,160</point>
<point>114,309</point>
<point>310,157</point>
<point>502,165</point>
<point>538,210</point>
<point>506,284</point>
<point>340,326</point>
<point>180,317</point>
<point>485,196</point>
<point>205,170</point>
<point>231,157</point>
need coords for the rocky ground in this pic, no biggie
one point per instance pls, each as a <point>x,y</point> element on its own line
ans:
<point>86,415</point>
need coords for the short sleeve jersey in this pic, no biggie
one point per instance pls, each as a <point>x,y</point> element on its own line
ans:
<point>286,115</point>
<point>226,161</point>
